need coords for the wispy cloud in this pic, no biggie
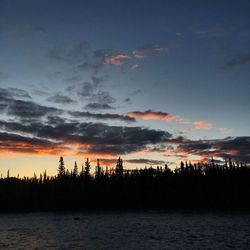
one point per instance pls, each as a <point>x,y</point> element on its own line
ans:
<point>101,116</point>
<point>225,131</point>
<point>148,50</point>
<point>237,61</point>
<point>163,116</point>
<point>115,59</point>
<point>203,125</point>
<point>61,99</point>
<point>135,66</point>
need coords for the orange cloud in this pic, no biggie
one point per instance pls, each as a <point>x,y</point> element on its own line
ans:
<point>152,115</point>
<point>203,125</point>
<point>163,116</point>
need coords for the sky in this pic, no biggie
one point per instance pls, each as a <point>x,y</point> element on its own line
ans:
<point>155,82</point>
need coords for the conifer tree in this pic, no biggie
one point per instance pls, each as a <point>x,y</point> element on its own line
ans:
<point>98,169</point>
<point>75,170</point>
<point>87,168</point>
<point>61,168</point>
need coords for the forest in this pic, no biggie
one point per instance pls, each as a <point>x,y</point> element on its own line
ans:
<point>191,186</point>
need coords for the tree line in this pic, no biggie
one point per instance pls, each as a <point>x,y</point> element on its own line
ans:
<point>190,186</point>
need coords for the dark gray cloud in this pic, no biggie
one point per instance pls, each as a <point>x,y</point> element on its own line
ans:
<point>145,161</point>
<point>99,138</point>
<point>236,148</point>
<point>41,92</point>
<point>29,145</point>
<point>90,88</point>
<point>96,106</point>
<point>73,79</point>
<point>102,100</point>
<point>128,100</point>
<point>237,61</point>
<point>29,110</point>
<point>104,97</point>
<point>13,93</point>
<point>26,111</point>
<point>101,116</point>
<point>86,89</point>
<point>61,99</point>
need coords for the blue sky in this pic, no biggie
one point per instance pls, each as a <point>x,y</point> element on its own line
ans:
<point>178,67</point>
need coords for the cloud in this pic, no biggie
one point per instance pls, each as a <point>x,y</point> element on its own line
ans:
<point>163,116</point>
<point>135,66</point>
<point>157,115</point>
<point>236,148</point>
<point>96,106</point>
<point>8,93</point>
<point>226,130</point>
<point>56,134</point>
<point>237,61</point>
<point>100,116</point>
<point>26,110</point>
<point>73,79</point>
<point>86,89</point>
<point>17,144</point>
<point>148,50</point>
<point>91,138</point>
<point>61,99</point>
<point>202,125</point>
<point>128,100</point>
<point>89,88</point>
<point>102,100</point>
<point>104,97</point>
<point>145,161</point>
<point>115,59</point>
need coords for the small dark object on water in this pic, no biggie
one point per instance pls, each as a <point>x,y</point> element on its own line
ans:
<point>76,218</point>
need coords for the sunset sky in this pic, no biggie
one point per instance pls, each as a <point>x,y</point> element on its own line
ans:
<point>154,82</point>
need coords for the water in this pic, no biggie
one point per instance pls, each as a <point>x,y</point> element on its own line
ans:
<point>132,230</point>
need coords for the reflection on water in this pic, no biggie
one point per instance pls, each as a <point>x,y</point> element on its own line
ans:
<point>134,230</point>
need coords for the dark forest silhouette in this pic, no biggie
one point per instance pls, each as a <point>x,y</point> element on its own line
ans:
<point>191,186</point>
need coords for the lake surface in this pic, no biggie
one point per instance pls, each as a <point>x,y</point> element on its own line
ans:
<point>130,230</point>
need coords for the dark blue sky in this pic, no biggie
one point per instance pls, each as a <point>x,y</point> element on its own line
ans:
<point>179,67</point>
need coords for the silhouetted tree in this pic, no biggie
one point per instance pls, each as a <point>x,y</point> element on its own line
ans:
<point>119,167</point>
<point>61,168</point>
<point>87,168</point>
<point>75,170</point>
<point>97,169</point>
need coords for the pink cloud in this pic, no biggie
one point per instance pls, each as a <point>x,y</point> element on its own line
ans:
<point>163,116</point>
<point>139,54</point>
<point>115,59</point>
<point>149,49</point>
<point>135,66</point>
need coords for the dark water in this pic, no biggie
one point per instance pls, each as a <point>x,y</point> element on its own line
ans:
<point>134,230</point>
